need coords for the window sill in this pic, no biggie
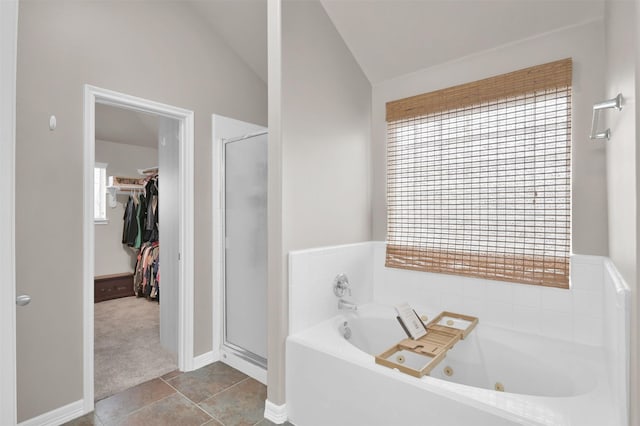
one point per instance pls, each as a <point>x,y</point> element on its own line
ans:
<point>100,221</point>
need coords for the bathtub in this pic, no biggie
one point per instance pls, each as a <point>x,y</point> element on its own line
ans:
<point>332,380</point>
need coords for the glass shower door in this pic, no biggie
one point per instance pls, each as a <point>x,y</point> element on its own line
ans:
<point>245,254</point>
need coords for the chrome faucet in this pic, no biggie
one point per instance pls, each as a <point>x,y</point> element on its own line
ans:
<point>341,285</point>
<point>343,304</point>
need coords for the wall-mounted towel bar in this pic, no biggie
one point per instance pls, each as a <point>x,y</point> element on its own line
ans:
<point>611,103</point>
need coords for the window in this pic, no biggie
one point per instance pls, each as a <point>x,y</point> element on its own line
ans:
<point>100,193</point>
<point>478,178</point>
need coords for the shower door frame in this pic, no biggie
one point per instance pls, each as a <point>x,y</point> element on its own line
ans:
<point>237,350</point>
<point>226,130</point>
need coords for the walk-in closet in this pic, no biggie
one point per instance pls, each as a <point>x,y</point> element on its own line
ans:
<point>133,154</point>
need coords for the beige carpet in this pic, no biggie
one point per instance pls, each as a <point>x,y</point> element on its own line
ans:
<point>127,348</point>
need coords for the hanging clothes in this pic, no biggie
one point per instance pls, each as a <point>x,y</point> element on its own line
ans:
<point>138,239</point>
<point>141,219</point>
<point>151,232</point>
<point>141,231</point>
<point>131,227</point>
<point>146,279</point>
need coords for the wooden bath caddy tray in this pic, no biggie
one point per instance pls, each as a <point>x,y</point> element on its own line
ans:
<point>418,357</point>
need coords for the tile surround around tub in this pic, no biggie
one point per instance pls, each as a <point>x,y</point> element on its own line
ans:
<point>311,275</point>
<point>572,315</point>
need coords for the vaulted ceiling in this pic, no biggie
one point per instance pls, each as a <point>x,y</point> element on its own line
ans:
<point>242,24</point>
<point>388,38</point>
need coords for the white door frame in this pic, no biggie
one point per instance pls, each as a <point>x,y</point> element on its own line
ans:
<point>93,95</point>
<point>8,49</point>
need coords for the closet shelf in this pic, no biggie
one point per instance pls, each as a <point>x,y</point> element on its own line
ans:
<point>149,171</point>
<point>122,185</point>
<point>125,182</point>
<point>125,189</point>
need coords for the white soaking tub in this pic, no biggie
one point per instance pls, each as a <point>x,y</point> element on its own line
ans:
<point>335,381</point>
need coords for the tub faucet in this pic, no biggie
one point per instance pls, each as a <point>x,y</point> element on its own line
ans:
<point>343,304</point>
<point>341,285</point>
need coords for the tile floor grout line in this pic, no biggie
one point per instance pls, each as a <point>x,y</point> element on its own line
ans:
<point>226,389</point>
<point>194,403</point>
<point>232,386</point>
<point>214,395</point>
<point>95,417</point>
<point>217,420</point>
<point>179,393</point>
<point>95,412</point>
<point>229,387</point>
<point>206,412</point>
<point>143,407</point>
<point>166,381</point>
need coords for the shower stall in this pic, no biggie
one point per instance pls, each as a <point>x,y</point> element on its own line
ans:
<point>243,249</point>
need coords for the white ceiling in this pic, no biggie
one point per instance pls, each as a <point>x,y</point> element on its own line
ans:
<point>121,125</point>
<point>390,38</point>
<point>243,26</point>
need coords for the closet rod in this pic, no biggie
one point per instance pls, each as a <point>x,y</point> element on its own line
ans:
<point>247,136</point>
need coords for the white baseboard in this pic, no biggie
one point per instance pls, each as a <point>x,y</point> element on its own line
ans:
<point>58,416</point>
<point>275,413</point>
<point>204,359</point>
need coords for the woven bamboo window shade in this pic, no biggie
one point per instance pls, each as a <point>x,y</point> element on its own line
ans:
<point>478,178</point>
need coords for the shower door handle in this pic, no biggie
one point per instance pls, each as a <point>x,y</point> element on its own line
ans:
<point>23,300</point>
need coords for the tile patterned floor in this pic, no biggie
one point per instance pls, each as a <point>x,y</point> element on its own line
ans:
<point>215,395</point>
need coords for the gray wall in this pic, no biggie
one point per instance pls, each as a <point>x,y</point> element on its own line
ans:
<point>326,107</point>
<point>111,256</point>
<point>585,44</point>
<point>621,23</point>
<point>621,149</point>
<point>156,50</point>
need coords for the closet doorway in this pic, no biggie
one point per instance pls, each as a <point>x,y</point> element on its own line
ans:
<point>130,145</point>
<point>241,155</point>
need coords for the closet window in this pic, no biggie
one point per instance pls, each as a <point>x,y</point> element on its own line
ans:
<point>478,178</point>
<point>100,193</point>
